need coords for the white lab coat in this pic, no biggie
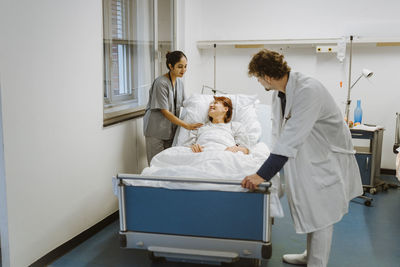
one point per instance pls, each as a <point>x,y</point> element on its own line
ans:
<point>321,174</point>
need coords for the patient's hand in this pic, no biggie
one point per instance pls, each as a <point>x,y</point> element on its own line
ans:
<point>196,148</point>
<point>235,149</point>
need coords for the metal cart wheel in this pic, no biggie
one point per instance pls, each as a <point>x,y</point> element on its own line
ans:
<point>385,187</point>
<point>372,191</point>
<point>367,203</point>
<point>243,262</point>
<point>254,262</point>
<point>257,263</point>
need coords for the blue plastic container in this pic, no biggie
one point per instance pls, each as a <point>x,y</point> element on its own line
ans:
<point>358,113</point>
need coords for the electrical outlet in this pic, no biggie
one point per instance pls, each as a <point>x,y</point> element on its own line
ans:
<point>326,49</point>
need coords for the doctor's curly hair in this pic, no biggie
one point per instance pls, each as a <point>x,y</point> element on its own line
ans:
<point>226,101</point>
<point>270,63</point>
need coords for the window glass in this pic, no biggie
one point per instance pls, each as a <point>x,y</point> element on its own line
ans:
<point>129,54</point>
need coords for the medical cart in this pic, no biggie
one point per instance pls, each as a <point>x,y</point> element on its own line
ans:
<point>369,158</point>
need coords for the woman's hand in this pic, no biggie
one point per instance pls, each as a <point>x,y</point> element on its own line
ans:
<point>175,120</point>
<point>196,148</point>
<point>235,149</point>
<point>192,126</point>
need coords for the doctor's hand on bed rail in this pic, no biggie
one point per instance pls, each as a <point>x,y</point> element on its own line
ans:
<point>235,149</point>
<point>252,181</point>
<point>196,148</point>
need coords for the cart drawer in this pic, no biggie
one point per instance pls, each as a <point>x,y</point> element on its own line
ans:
<point>361,134</point>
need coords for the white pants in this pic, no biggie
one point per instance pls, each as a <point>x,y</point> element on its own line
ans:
<point>319,247</point>
<point>155,146</point>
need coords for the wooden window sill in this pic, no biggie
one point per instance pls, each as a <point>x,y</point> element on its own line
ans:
<point>122,115</point>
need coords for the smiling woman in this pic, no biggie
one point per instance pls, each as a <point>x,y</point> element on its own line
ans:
<point>220,110</point>
<point>220,133</point>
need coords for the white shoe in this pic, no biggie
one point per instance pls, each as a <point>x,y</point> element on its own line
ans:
<point>298,259</point>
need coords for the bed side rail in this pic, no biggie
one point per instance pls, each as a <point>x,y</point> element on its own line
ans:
<point>123,176</point>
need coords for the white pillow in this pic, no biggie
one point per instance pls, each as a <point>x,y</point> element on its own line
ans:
<point>264,116</point>
<point>195,109</point>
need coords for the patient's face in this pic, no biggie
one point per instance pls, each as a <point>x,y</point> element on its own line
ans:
<point>217,108</point>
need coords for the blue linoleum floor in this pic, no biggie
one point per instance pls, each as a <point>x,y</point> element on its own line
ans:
<point>366,236</point>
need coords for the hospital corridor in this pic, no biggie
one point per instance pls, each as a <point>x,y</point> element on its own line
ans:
<point>185,133</point>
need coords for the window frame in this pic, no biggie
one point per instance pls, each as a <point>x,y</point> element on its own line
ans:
<point>124,108</point>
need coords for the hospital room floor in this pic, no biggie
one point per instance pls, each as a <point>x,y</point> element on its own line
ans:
<point>366,236</point>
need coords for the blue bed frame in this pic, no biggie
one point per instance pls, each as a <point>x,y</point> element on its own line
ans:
<point>195,225</point>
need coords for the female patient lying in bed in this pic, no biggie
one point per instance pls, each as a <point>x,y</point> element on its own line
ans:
<point>217,139</point>
<point>220,133</point>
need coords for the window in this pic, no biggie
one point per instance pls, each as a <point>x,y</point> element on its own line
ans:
<point>137,34</point>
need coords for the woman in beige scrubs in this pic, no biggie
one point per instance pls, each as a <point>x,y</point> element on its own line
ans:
<point>165,100</point>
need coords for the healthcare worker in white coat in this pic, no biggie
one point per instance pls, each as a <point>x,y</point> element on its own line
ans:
<point>313,145</point>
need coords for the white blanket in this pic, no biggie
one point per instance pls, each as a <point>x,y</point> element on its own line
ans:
<point>220,164</point>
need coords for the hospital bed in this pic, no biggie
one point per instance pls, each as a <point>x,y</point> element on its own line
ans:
<point>198,226</point>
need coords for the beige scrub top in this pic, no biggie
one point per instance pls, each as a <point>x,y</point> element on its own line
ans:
<point>161,96</point>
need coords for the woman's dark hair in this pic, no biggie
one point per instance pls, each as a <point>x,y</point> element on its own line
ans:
<point>227,103</point>
<point>174,57</point>
<point>268,63</point>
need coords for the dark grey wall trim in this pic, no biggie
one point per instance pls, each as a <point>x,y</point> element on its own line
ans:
<point>77,240</point>
<point>388,171</point>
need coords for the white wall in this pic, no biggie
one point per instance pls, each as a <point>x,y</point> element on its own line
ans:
<point>3,198</point>
<point>59,160</point>
<point>260,19</point>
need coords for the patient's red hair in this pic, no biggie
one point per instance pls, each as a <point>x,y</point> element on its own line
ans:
<point>226,101</point>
